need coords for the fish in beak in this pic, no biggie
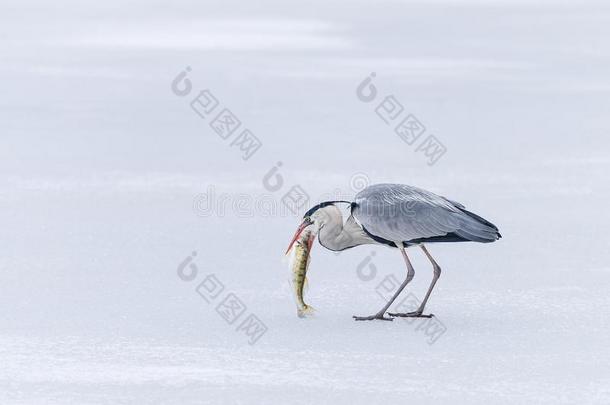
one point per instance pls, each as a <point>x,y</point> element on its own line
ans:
<point>306,222</point>
<point>299,250</point>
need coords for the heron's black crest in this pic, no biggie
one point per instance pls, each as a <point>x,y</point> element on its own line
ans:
<point>322,205</point>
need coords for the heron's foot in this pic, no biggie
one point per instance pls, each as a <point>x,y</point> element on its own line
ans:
<point>379,316</point>
<point>414,314</point>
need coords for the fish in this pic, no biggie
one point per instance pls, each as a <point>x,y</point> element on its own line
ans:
<point>299,263</point>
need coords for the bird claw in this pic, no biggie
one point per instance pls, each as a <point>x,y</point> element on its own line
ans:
<point>372,317</point>
<point>415,314</point>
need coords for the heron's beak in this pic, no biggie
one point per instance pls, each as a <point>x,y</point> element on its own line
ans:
<point>300,229</point>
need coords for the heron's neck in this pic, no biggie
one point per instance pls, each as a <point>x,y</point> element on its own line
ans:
<point>332,229</point>
<point>334,235</point>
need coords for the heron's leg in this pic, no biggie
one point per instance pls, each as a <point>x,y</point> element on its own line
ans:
<point>410,275</point>
<point>437,274</point>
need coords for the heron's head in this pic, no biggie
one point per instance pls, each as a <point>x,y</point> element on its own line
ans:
<point>315,219</point>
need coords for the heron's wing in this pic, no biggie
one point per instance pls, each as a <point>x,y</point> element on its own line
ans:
<point>397,212</point>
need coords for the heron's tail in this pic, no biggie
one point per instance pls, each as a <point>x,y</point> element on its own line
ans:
<point>477,229</point>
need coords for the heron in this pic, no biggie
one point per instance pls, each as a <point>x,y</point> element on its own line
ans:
<point>399,216</point>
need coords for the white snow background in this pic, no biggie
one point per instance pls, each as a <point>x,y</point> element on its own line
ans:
<point>101,165</point>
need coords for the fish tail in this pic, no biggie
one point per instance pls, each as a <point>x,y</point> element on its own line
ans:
<point>306,311</point>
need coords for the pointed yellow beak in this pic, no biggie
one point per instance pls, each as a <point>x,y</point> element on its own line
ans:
<point>303,225</point>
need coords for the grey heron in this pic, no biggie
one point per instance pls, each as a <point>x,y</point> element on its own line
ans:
<point>398,216</point>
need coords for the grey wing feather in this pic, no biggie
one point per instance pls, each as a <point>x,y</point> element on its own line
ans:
<point>404,213</point>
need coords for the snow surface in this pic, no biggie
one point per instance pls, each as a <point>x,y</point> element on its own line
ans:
<point>103,172</point>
